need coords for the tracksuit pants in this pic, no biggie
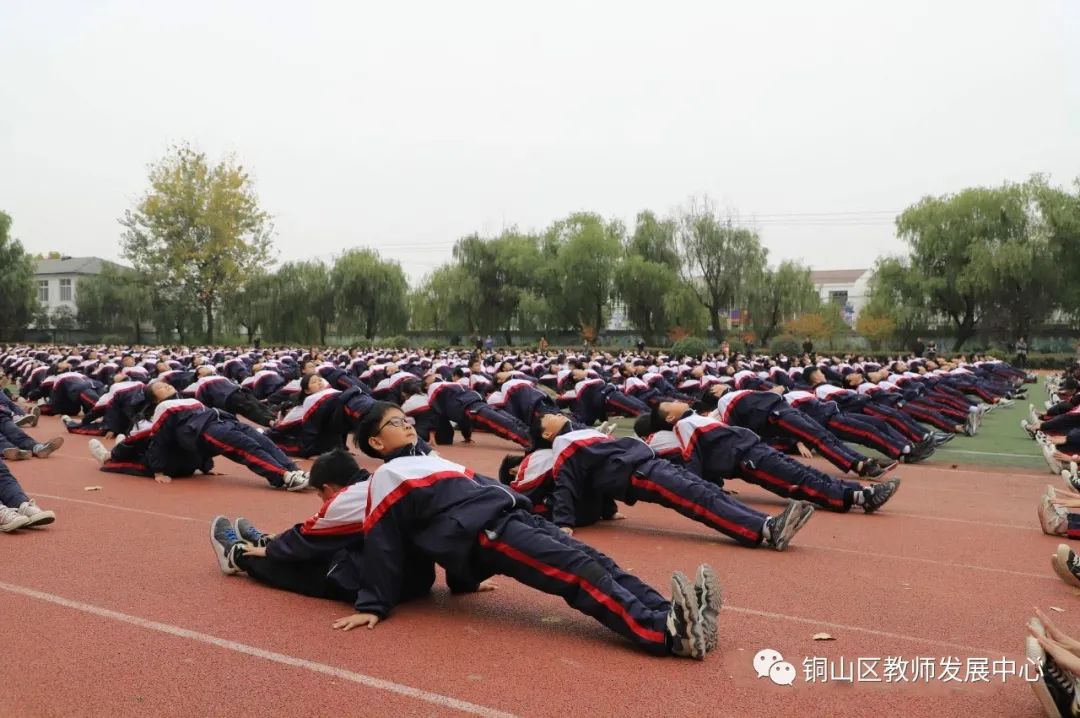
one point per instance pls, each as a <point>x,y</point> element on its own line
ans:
<point>11,494</point>
<point>243,403</point>
<point>91,424</point>
<point>130,458</point>
<point>660,482</point>
<point>622,404</point>
<point>813,434</point>
<point>7,401</point>
<point>897,419</point>
<point>1061,424</point>
<point>1073,529</point>
<point>245,445</point>
<point>534,551</point>
<point>500,423</point>
<point>308,578</point>
<point>868,431</point>
<point>782,475</point>
<point>12,436</point>
<point>931,416</point>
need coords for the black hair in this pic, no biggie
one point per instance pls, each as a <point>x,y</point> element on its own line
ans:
<point>1070,384</point>
<point>643,425</point>
<point>536,433</point>
<point>707,402</point>
<point>336,467</point>
<point>509,463</point>
<point>305,382</point>
<point>411,387</point>
<point>369,426</point>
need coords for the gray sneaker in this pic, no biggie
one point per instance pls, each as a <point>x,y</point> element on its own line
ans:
<point>783,527</point>
<point>13,454</point>
<point>684,623</point>
<point>248,533</point>
<point>295,481</point>
<point>36,516</point>
<point>11,519</point>
<point>877,495</point>
<point>43,451</point>
<point>224,541</point>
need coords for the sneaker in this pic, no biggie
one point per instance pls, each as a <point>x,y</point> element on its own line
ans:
<point>1056,689</point>
<point>14,454</point>
<point>42,451</point>
<point>710,600</point>
<point>36,516</point>
<point>941,437</point>
<point>25,420</point>
<point>876,496</point>
<point>684,620</point>
<point>784,526</point>
<point>1027,426</point>
<point>1051,460</point>
<point>295,481</point>
<point>970,428</point>
<point>1066,565</point>
<point>1053,519</point>
<point>248,533</point>
<point>224,540</point>
<point>873,470</point>
<point>1070,477</point>
<point>99,452</point>
<point>68,421</point>
<point>120,438</point>
<point>1033,416</point>
<point>11,519</point>
<point>1005,402</point>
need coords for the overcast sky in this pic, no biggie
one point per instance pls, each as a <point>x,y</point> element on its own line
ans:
<point>402,126</point>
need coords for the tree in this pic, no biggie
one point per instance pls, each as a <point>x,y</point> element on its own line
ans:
<point>648,275</point>
<point>119,301</point>
<point>249,306</point>
<point>587,251</point>
<point>779,295</point>
<point>302,305</point>
<point>17,299</point>
<point>720,260</point>
<point>446,301</point>
<point>877,329</point>
<point>63,320</point>
<point>984,252</point>
<point>369,293</point>
<point>198,228</point>
<point>1060,212</point>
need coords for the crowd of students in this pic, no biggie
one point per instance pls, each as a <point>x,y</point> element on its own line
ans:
<point>698,423</point>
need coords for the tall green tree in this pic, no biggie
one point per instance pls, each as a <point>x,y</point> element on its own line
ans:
<point>897,291</point>
<point>370,294</point>
<point>446,300</point>
<point>720,261</point>
<point>117,301</point>
<point>648,275</point>
<point>302,305</point>
<point>587,250</point>
<point>250,306</point>
<point>199,228</point>
<point>17,291</point>
<point>780,295</point>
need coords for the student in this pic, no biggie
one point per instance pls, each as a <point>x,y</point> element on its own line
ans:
<point>313,558</point>
<point>474,527</point>
<point>17,445</point>
<point>17,510</point>
<point>218,392</point>
<point>187,426</point>
<point>464,406</point>
<point>576,475</point>
<point>1056,657</point>
<point>716,452</point>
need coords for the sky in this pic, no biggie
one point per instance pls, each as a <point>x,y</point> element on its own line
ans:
<point>404,126</point>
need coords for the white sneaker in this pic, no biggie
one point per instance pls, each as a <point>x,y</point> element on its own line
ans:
<point>99,452</point>
<point>1033,417</point>
<point>1053,519</point>
<point>120,438</point>
<point>295,481</point>
<point>68,421</point>
<point>1051,460</point>
<point>11,519</point>
<point>25,420</point>
<point>36,516</point>
<point>1026,426</point>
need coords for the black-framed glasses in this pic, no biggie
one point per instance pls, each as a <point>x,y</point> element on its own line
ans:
<point>398,422</point>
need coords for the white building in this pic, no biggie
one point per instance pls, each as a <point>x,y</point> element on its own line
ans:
<point>847,288</point>
<point>56,280</point>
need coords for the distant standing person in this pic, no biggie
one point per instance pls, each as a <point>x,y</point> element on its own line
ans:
<point>641,345</point>
<point>931,350</point>
<point>479,342</point>
<point>488,343</point>
<point>919,348</point>
<point>543,346</point>
<point>807,346</point>
<point>1021,353</point>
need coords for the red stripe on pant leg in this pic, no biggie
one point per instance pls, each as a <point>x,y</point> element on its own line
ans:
<point>1072,533</point>
<point>250,457</point>
<point>624,408</point>
<point>498,429</point>
<point>86,430</point>
<point>816,443</point>
<point>794,488</point>
<point>874,439</point>
<point>929,418</point>
<point>599,596</point>
<point>689,505</point>
<point>895,423</point>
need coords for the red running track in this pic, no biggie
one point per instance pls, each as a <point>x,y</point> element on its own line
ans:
<point>119,609</point>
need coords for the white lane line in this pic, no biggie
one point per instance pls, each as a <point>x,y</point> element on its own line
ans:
<point>292,661</point>
<point>858,629</point>
<point>945,450</point>
<point>1019,527</point>
<point>934,562</point>
<point>121,508</point>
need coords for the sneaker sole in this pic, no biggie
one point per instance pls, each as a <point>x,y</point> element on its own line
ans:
<point>683,594</point>
<point>16,454</point>
<point>50,447</point>
<point>791,526</point>
<point>219,550</point>
<point>1060,562</point>
<point>1035,653</point>
<point>710,597</point>
<point>1066,476</point>
<point>890,497</point>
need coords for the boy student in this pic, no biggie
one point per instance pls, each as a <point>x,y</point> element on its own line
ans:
<point>17,445</point>
<point>313,558</point>
<point>187,427</point>
<point>17,510</point>
<point>421,506</point>
<point>465,407</point>
<point>576,475</point>
<point>715,452</point>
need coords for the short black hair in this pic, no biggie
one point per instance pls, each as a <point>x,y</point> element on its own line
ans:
<point>369,426</point>
<point>643,425</point>
<point>336,467</point>
<point>536,433</point>
<point>707,402</point>
<point>305,382</point>
<point>509,463</point>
